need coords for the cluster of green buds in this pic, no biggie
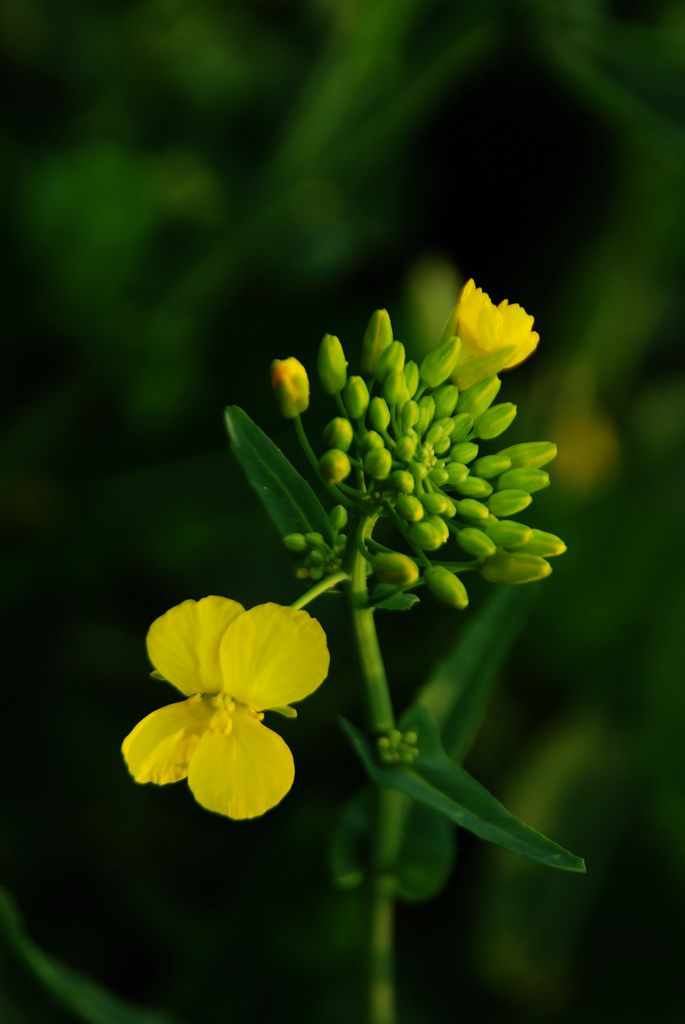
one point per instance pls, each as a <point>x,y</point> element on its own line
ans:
<point>407,444</point>
<point>395,747</point>
<point>316,557</point>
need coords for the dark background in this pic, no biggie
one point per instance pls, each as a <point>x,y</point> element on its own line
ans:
<point>194,188</point>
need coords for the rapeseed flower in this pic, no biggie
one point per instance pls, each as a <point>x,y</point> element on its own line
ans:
<point>493,338</point>
<point>232,665</point>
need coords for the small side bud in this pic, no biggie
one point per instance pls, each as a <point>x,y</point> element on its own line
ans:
<point>409,416</point>
<point>530,480</point>
<point>445,399</point>
<point>395,388</point>
<point>372,439</point>
<point>411,377</point>
<point>356,397</point>
<point>426,413</point>
<point>378,463</point>
<point>338,518</point>
<point>440,526</point>
<point>489,466</point>
<point>377,337</point>
<point>507,533</point>
<point>334,466</point>
<point>473,487</point>
<point>400,570</point>
<point>438,475</point>
<point>439,363</point>
<point>475,542</point>
<point>331,364</point>
<point>290,383</point>
<point>391,358</point>
<point>425,536</point>
<point>509,502</point>
<point>434,504</point>
<point>495,421</point>
<point>515,568</point>
<point>295,542</point>
<point>531,454</point>
<point>475,511</point>
<point>548,545</point>
<point>456,472</point>
<point>402,481</point>
<point>379,414</point>
<point>338,434</point>
<point>446,587</point>
<point>405,449</point>
<point>463,422</point>
<point>463,451</point>
<point>479,397</point>
<point>410,508</point>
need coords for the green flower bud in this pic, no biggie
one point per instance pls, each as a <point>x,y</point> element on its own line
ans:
<point>434,433</point>
<point>356,397</point>
<point>495,421</point>
<point>464,451</point>
<point>338,434</point>
<point>338,518</point>
<point>410,508</point>
<point>290,383</point>
<point>295,542</point>
<point>405,449</point>
<point>473,487</point>
<point>546,544</point>
<point>445,399</point>
<point>411,376</point>
<point>469,508</point>
<point>315,540</point>
<point>438,475</point>
<point>463,422</point>
<point>438,364</point>
<point>450,508</point>
<point>377,337</point>
<point>479,397</point>
<point>334,466</point>
<point>378,463</point>
<point>531,454</point>
<point>395,388</point>
<point>317,558</point>
<point>475,542</point>
<point>447,424</point>
<point>426,413</point>
<point>316,572</point>
<point>507,533</point>
<point>372,439</point>
<point>456,472</point>
<point>515,568</point>
<point>530,480</point>
<point>440,527</point>
<point>339,543</point>
<point>417,469</point>
<point>441,446</point>
<point>434,504</point>
<point>489,466</point>
<point>402,481</point>
<point>391,358</point>
<point>409,416</point>
<point>446,587</point>
<point>425,536</point>
<point>332,365</point>
<point>379,414</point>
<point>508,503</point>
<point>400,570</point>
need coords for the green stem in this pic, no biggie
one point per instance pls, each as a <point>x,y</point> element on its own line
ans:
<point>319,588</point>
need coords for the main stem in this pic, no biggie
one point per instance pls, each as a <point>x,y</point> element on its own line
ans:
<point>387,802</point>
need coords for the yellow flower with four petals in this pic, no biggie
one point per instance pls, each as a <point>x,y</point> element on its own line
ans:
<point>232,665</point>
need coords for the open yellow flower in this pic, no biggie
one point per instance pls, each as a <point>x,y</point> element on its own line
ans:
<point>493,338</point>
<point>232,665</point>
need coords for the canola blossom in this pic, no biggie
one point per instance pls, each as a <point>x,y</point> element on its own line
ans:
<point>232,665</point>
<point>493,338</point>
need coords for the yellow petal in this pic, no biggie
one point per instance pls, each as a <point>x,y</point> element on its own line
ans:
<point>242,773</point>
<point>161,745</point>
<point>273,655</point>
<point>518,331</point>
<point>183,644</point>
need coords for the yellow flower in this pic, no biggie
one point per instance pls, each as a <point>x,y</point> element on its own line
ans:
<point>232,665</point>
<point>493,338</point>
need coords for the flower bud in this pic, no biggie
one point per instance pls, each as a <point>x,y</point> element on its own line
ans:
<point>290,383</point>
<point>464,451</point>
<point>456,471</point>
<point>400,570</point>
<point>514,568</point>
<point>338,518</point>
<point>438,364</point>
<point>469,508</point>
<point>372,439</point>
<point>379,414</point>
<point>479,397</point>
<point>391,358</point>
<point>509,502</point>
<point>440,526</point>
<point>507,533</point>
<point>334,466</point>
<point>405,449</point>
<point>463,422</point>
<point>475,542</point>
<point>489,466</point>
<point>445,399</point>
<point>446,587</point>
<point>434,504</point>
<point>411,376</point>
<point>495,421</point>
<point>295,542</point>
<point>338,434</point>
<point>418,470</point>
<point>441,446</point>
<point>473,487</point>
<point>331,364</point>
<point>409,416</point>
<point>377,337</point>
<point>315,539</point>
<point>438,475</point>
<point>531,454</point>
<point>546,544</point>
<point>426,413</point>
<point>530,480</point>
<point>410,508</point>
<point>402,481</point>
<point>425,536</point>
<point>356,397</point>
<point>378,463</point>
<point>395,388</point>
<point>435,432</point>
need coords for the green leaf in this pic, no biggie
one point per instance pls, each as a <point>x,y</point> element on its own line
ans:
<point>73,990</point>
<point>433,779</point>
<point>394,602</point>
<point>286,495</point>
<point>457,692</point>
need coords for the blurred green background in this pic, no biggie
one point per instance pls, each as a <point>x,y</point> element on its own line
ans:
<point>194,188</point>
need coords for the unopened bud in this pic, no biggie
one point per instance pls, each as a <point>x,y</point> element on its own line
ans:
<point>531,454</point>
<point>434,504</point>
<point>391,358</point>
<point>410,508</point>
<point>473,487</point>
<point>438,364</point>
<point>475,542</point>
<point>332,365</point>
<point>515,568</point>
<point>441,446</point>
<point>295,542</point>
<point>378,463</point>
<point>530,480</point>
<point>334,466</point>
<point>489,466</point>
<point>338,434</point>
<point>418,470</point>
<point>469,508</point>
<point>377,337</point>
<point>440,526</point>
<point>409,416</point>
<point>426,413</point>
<point>438,475</point>
<point>315,539</point>
<point>479,397</point>
<point>379,414</point>
<point>405,449</point>
<point>508,503</point>
<point>356,397</point>
<point>507,533</point>
<point>425,536</point>
<point>402,481</point>
<point>495,421</point>
<point>545,544</point>
<point>463,451</point>
<point>395,568</point>
<point>456,471</point>
<point>446,587</point>
<point>434,433</point>
<point>372,439</point>
<point>290,383</point>
<point>338,518</point>
<point>445,399</point>
<point>395,388</point>
<point>463,422</point>
<point>411,376</point>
